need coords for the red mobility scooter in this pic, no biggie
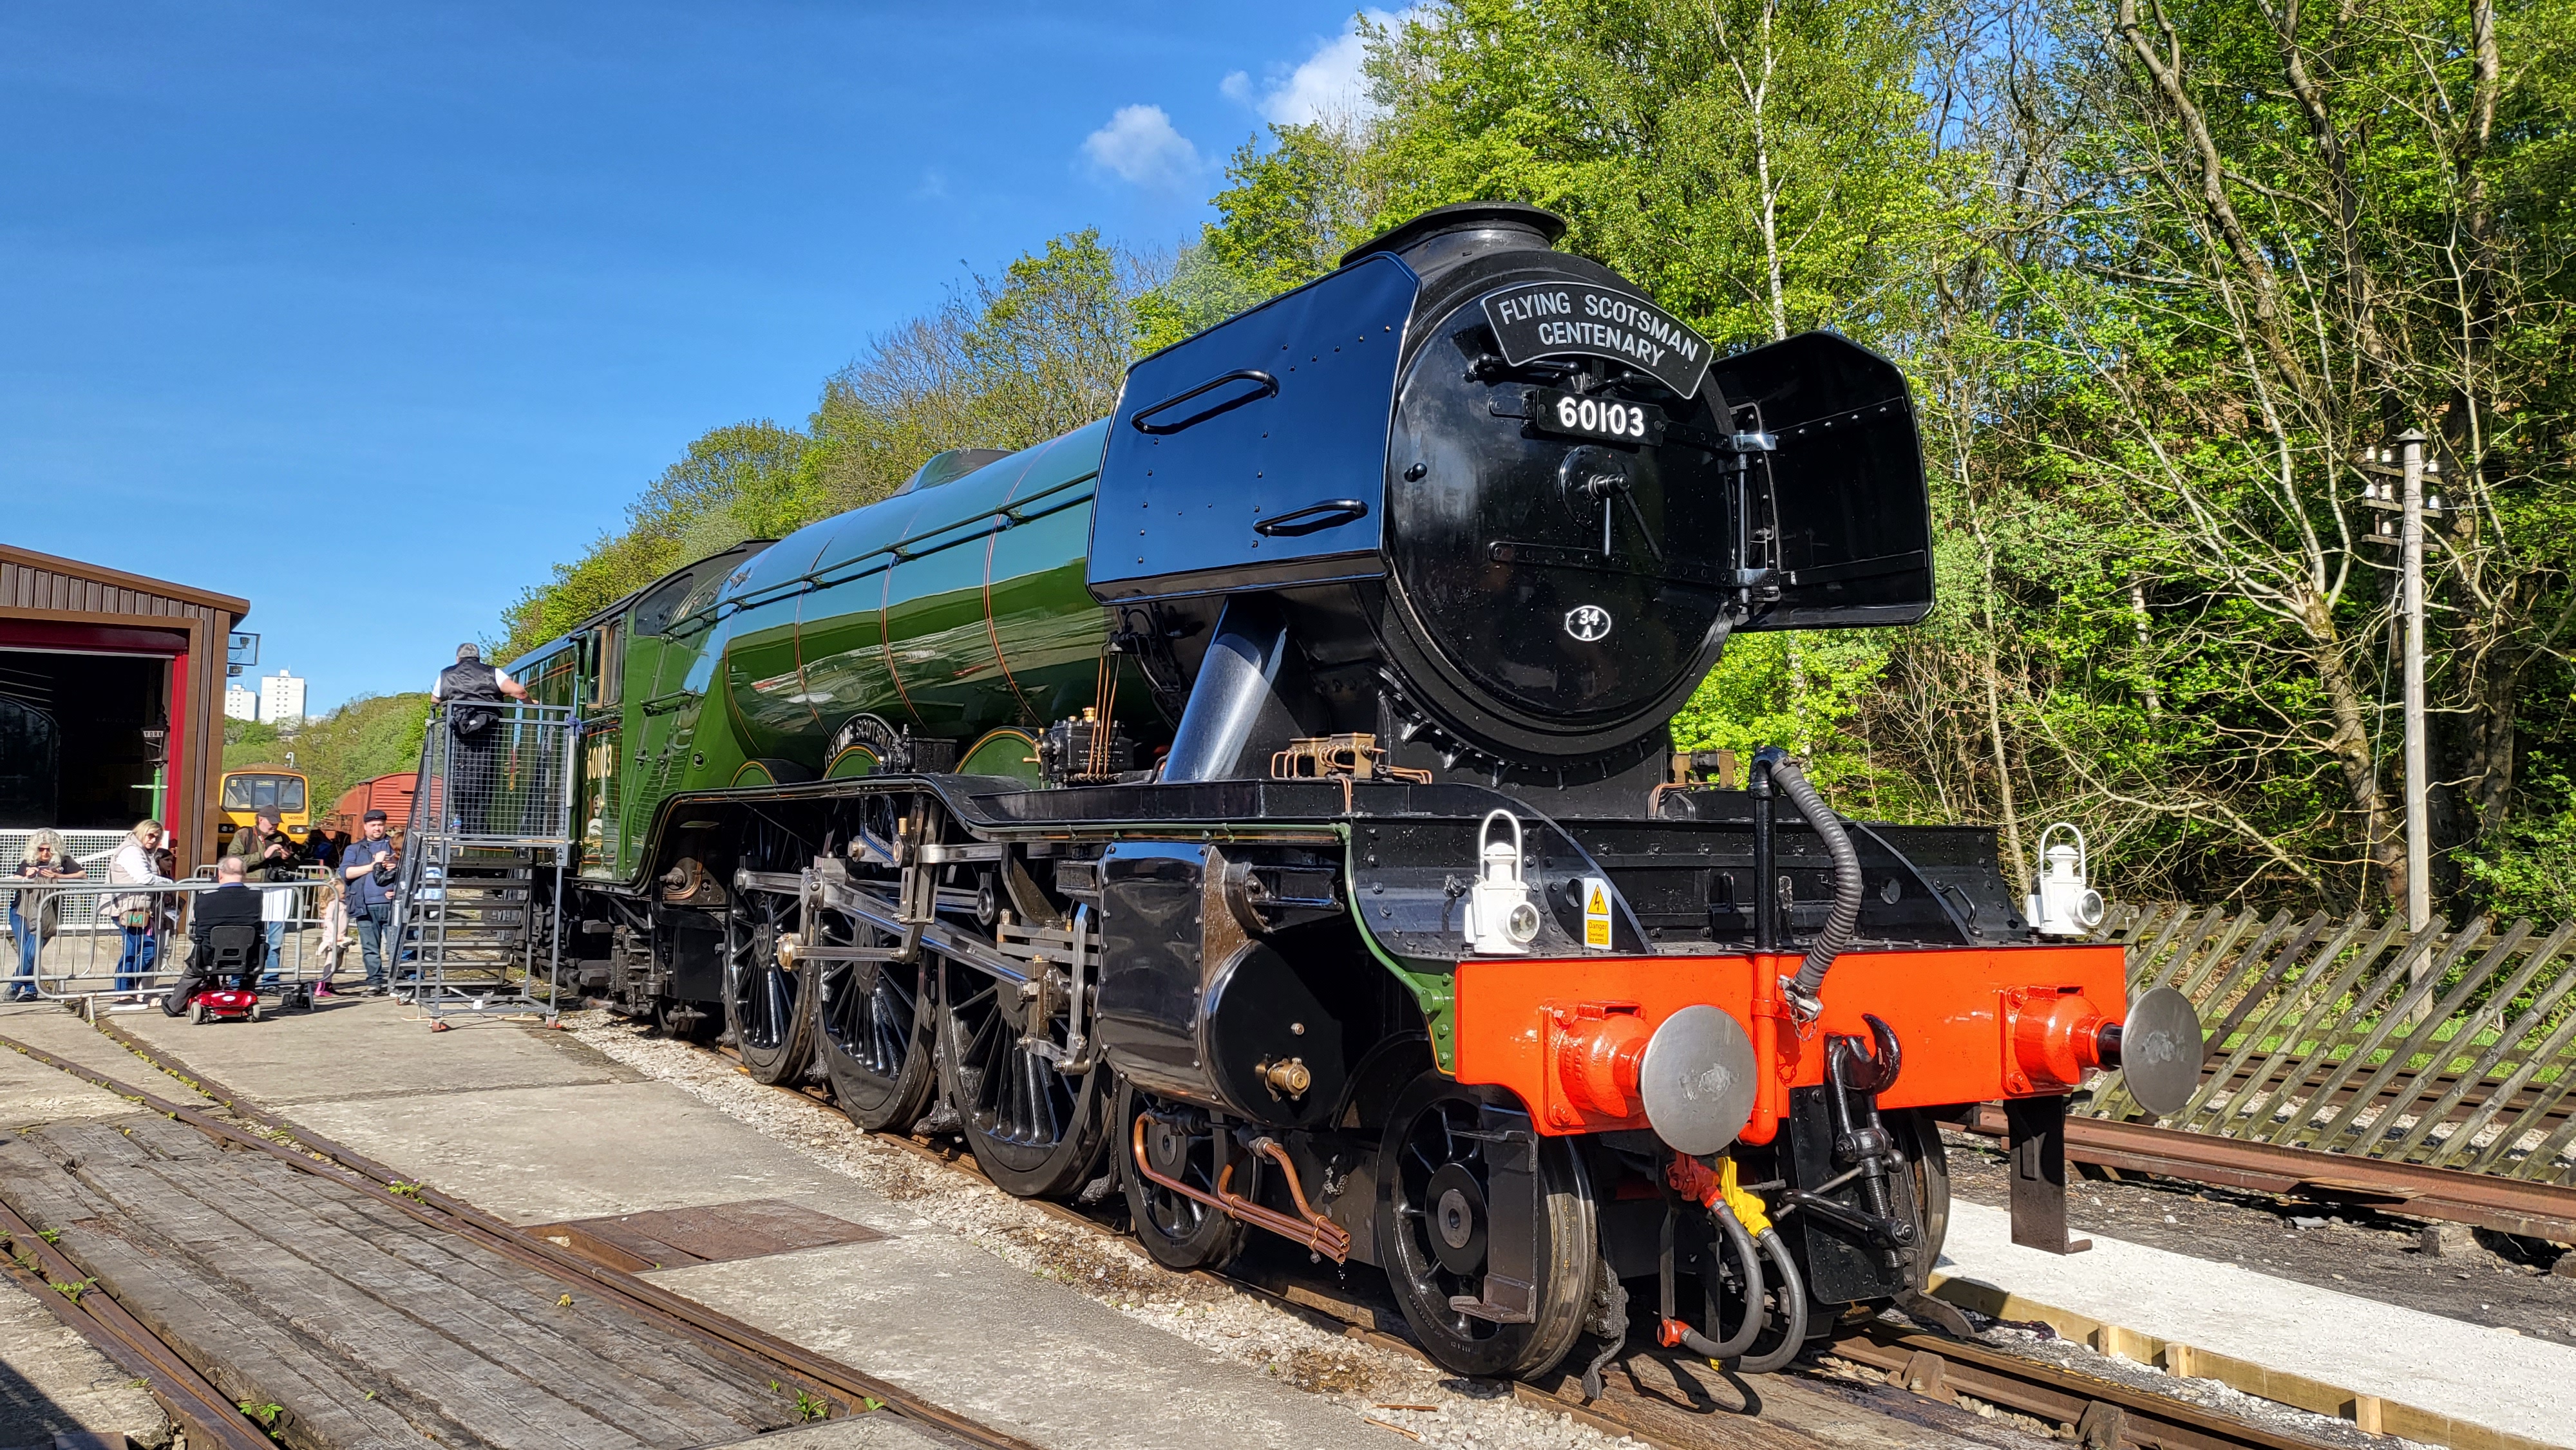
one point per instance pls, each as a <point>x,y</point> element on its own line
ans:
<point>234,955</point>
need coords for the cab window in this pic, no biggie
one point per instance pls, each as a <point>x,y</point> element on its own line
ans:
<point>608,655</point>
<point>282,793</point>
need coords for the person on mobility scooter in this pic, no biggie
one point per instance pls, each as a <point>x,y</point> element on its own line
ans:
<point>224,941</point>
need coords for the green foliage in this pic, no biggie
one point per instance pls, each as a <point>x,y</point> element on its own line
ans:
<point>1800,691</point>
<point>1759,166</point>
<point>369,736</point>
<point>2528,867</point>
<point>250,742</point>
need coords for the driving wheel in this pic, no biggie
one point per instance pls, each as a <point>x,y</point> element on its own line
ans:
<point>764,1002</point>
<point>1035,1129</point>
<point>872,1028</point>
<point>1436,1183</point>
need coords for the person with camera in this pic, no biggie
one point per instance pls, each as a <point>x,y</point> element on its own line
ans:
<point>270,858</point>
<point>368,870</point>
<point>473,693</point>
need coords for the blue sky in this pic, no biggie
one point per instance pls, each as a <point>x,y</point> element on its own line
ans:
<point>371,313</point>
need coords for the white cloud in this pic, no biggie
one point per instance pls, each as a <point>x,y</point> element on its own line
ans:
<point>1140,146</point>
<point>1329,84</point>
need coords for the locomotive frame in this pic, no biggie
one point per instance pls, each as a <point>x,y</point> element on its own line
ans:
<point>1419,552</point>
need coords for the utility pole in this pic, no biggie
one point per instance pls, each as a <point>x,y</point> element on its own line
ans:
<point>2410,549</point>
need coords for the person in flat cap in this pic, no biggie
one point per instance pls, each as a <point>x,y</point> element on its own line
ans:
<point>367,875</point>
<point>472,694</point>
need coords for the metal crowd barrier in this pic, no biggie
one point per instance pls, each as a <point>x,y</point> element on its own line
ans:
<point>504,782</point>
<point>84,950</point>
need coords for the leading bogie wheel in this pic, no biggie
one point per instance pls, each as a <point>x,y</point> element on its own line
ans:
<point>765,1007</point>
<point>1035,1129</point>
<point>872,1030</point>
<point>1435,1169</point>
<point>1918,1136</point>
<point>1179,1231</point>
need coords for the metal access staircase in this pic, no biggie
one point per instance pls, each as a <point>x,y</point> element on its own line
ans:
<point>479,899</point>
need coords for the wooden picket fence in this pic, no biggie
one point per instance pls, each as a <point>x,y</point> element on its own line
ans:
<point>2448,1048</point>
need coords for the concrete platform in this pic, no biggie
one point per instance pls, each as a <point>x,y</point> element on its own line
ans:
<point>338,1053</point>
<point>31,1092</point>
<point>919,1313</point>
<point>879,1431</point>
<point>536,1155</point>
<point>2484,1376</point>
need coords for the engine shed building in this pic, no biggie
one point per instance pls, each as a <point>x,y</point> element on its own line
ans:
<point>111,701</point>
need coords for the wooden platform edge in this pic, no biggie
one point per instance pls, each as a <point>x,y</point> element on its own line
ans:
<point>184,1394</point>
<point>318,1155</point>
<point>2375,1414</point>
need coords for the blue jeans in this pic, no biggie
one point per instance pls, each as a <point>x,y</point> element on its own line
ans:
<point>23,986</point>
<point>376,940</point>
<point>276,933</point>
<point>142,949</point>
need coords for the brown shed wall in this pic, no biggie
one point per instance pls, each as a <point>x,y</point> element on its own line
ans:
<point>42,595</point>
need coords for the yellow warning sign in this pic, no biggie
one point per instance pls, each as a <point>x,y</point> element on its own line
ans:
<point>1596,913</point>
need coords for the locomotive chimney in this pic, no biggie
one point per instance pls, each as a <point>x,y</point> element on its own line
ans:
<point>1445,236</point>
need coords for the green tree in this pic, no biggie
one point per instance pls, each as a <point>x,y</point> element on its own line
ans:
<point>1760,166</point>
<point>369,736</point>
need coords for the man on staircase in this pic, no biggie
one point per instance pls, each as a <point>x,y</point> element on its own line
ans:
<point>473,693</point>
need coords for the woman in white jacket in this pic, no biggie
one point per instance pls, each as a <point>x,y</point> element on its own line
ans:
<point>136,914</point>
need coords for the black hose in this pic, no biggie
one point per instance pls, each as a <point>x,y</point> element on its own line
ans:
<point>1793,1305</point>
<point>1751,1329</point>
<point>1844,920</point>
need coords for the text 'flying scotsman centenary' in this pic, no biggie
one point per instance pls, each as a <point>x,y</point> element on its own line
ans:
<point>1555,319</point>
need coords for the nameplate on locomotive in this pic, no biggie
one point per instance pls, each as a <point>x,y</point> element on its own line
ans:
<point>1577,319</point>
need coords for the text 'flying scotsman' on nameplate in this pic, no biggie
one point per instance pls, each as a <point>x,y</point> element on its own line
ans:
<point>1562,319</point>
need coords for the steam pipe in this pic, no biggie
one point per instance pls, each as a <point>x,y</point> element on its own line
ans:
<point>1766,915</point>
<point>1844,920</point>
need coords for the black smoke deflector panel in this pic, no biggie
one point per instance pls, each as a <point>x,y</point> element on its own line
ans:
<point>1842,487</point>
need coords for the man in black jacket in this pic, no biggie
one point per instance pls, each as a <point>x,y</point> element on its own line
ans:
<point>230,904</point>
<point>473,694</point>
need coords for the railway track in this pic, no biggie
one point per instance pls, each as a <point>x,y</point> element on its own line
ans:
<point>2484,1200</point>
<point>1919,1367</point>
<point>192,1399</point>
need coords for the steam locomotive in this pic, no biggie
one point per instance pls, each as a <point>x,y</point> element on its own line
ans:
<point>1260,803</point>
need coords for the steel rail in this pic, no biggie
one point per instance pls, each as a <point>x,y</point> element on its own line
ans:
<point>649,1301</point>
<point>202,1410</point>
<point>2506,1205</point>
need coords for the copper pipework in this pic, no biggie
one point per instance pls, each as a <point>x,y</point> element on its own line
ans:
<point>1316,1232</point>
